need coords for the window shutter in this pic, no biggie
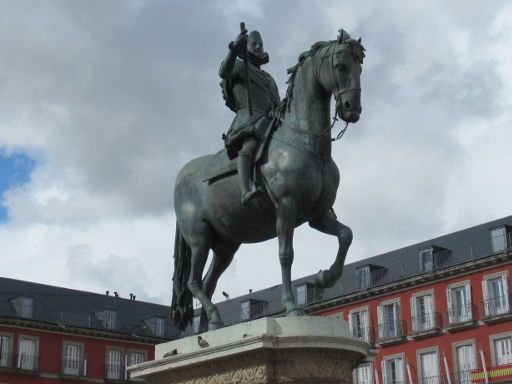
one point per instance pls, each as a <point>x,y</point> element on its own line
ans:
<point>380,320</point>
<point>505,292</point>
<point>469,308</point>
<point>399,364</point>
<point>450,305</point>
<point>485,293</point>
<point>414,314</point>
<point>350,325</point>
<point>384,375</point>
<point>365,324</point>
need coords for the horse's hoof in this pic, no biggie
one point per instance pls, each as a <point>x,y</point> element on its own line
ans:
<point>320,279</point>
<point>296,312</point>
<point>212,326</point>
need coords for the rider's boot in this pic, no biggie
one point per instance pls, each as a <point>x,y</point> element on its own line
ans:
<point>244,172</point>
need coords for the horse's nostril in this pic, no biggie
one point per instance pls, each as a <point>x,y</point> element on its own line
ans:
<point>347,105</point>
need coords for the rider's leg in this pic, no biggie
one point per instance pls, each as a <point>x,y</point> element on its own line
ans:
<point>245,159</point>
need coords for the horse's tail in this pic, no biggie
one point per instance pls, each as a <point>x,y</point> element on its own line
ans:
<point>181,307</point>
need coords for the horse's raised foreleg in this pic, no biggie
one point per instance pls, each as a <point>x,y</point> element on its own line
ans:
<point>199,245</point>
<point>286,214</point>
<point>330,225</point>
<point>222,258</point>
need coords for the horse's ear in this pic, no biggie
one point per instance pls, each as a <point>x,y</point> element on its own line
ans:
<point>359,40</point>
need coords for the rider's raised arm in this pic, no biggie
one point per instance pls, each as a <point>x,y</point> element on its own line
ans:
<point>228,69</point>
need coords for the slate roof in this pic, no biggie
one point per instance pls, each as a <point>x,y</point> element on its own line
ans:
<point>462,246</point>
<point>70,307</point>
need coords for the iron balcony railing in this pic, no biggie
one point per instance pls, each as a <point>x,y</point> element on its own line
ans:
<point>115,371</point>
<point>28,362</point>
<point>496,306</point>
<point>391,330</point>
<point>363,333</point>
<point>425,322</point>
<point>6,360</point>
<point>73,367</point>
<point>463,377</point>
<point>459,314</point>
<point>89,320</point>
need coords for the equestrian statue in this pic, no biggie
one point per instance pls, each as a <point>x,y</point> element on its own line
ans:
<point>275,173</point>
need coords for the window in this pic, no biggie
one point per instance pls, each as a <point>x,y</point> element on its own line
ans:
<point>114,364</point>
<point>137,357</point>
<point>196,320</point>
<point>502,348</point>
<point>359,324</point>
<point>27,354</point>
<point>24,306</point>
<point>498,239</point>
<point>159,326</point>
<point>495,291</point>
<point>5,350</point>
<point>245,310</point>
<point>460,308</point>
<point>428,364</point>
<point>72,363</point>
<point>426,260</point>
<point>423,315</point>
<point>363,374</point>
<point>109,318</point>
<point>363,277</point>
<point>389,319</point>
<point>465,361</point>
<point>302,294</point>
<point>393,370</point>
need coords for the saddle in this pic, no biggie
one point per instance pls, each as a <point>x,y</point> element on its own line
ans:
<point>221,165</point>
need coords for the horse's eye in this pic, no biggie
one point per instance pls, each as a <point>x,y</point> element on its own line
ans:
<point>341,67</point>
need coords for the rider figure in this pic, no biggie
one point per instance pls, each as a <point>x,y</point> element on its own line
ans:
<point>248,130</point>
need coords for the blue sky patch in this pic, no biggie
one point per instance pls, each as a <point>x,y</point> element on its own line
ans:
<point>15,170</point>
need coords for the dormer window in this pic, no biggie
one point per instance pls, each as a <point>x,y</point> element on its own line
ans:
<point>363,277</point>
<point>302,294</point>
<point>157,325</point>
<point>252,309</point>
<point>499,238</point>
<point>109,318</point>
<point>307,293</point>
<point>426,260</point>
<point>24,306</point>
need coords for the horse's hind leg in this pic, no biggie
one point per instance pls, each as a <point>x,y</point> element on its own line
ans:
<point>200,246</point>
<point>330,225</point>
<point>222,258</point>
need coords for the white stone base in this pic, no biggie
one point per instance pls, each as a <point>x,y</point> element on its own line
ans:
<point>270,350</point>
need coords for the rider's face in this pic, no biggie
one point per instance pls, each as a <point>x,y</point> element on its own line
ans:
<point>255,44</point>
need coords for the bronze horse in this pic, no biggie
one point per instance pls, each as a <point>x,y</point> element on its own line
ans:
<point>299,177</point>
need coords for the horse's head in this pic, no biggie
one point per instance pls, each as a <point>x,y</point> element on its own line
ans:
<point>339,73</point>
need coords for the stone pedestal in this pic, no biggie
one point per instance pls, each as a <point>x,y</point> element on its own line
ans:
<point>269,350</point>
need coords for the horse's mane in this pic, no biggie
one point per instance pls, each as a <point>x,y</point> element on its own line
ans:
<point>284,105</point>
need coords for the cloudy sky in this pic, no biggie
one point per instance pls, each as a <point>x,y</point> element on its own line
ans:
<point>101,103</point>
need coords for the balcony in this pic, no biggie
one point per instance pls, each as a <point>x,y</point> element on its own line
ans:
<point>6,360</point>
<point>28,363</point>
<point>425,325</point>
<point>458,318</point>
<point>114,372</point>
<point>391,333</point>
<point>363,334</point>
<point>496,309</point>
<point>73,368</point>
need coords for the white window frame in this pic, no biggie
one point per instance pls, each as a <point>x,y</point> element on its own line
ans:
<point>24,305</point>
<point>435,379</point>
<point>301,293</point>
<point>369,369</point>
<point>6,349</point>
<point>498,240</point>
<point>110,373</point>
<point>466,377</point>
<point>363,283</point>
<point>492,340</point>
<point>490,307</point>
<point>31,362</point>
<point>72,367</point>
<point>430,317</point>
<point>365,332</point>
<point>245,310</point>
<point>385,359</point>
<point>430,253</point>
<point>466,314</point>
<point>397,314</point>
<point>159,326</point>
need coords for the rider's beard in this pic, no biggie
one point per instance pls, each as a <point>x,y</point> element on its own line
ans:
<point>258,58</point>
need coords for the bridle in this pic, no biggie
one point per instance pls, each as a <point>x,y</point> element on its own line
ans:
<point>337,92</point>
